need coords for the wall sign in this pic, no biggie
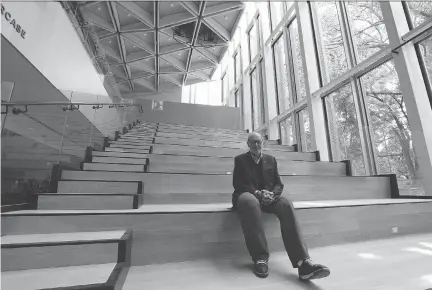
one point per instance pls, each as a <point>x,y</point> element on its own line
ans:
<point>8,16</point>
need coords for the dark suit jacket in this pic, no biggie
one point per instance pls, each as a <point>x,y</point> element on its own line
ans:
<point>243,180</point>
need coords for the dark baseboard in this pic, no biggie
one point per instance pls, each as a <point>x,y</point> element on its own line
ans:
<point>348,167</point>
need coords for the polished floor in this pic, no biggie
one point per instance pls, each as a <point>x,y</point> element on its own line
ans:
<point>399,263</point>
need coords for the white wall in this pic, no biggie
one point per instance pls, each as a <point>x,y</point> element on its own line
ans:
<point>170,96</point>
<point>51,45</point>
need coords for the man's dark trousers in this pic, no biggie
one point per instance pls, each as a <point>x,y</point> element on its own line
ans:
<point>250,213</point>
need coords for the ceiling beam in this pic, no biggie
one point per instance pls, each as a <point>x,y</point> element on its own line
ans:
<point>172,48</point>
<point>156,41</point>
<point>141,65</point>
<point>191,7</point>
<point>223,8</point>
<point>171,36</point>
<point>145,83</point>
<point>200,75</point>
<point>172,79</point>
<point>112,53</point>
<point>210,56</point>
<point>96,20</point>
<point>138,12</point>
<point>176,19</point>
<point>218,29</point>
<point>175,62</point>
<point>138,41</point>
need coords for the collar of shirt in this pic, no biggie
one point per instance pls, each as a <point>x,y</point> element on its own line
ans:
<point>256,159</point>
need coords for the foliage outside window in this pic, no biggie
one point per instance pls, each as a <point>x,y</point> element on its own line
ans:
<point>282,75</point>
<point>305,131</point>
<point>343,129</point>
<point>367,27</point>
<point>287,131</point>
<point>419,12</point>
<point>299,76</point>
<point>330,44</point>
<point>390,127</point>
<point>425,48</point>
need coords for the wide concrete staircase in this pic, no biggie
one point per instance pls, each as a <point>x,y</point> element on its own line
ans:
<point>161,194</point>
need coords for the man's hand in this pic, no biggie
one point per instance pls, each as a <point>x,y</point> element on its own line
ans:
<point>265,197</point>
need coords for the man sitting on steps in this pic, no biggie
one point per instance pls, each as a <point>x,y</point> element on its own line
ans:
<point>257,189</point>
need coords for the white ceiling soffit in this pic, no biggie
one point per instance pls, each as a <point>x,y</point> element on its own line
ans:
<point>157,46</point>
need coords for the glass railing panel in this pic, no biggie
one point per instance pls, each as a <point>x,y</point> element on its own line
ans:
<point>31,142</point>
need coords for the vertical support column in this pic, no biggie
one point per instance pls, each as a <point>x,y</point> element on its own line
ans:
<point>269,74</point>
<point>310,64</point>
<point>247,95</point>
<point>413,89</point>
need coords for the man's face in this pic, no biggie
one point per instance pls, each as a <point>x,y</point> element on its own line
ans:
<point>255,143</point>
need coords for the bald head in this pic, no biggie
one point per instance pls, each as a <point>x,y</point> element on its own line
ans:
<point>254,143</point>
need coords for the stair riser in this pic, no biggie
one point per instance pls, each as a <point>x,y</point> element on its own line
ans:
<point>196,142</point>
<point>126,146</point>
<point>113,167</point>
<point>201,137</point>
<point>287,168</point>
<point>224,152</point>
<point>87,202</point>
<point>139,135</point>
<point>127,150</point>
<point>200,129</point>
<point>205,133</point>
<point>98,187</point>
<point>131,142</point>
<point>298,187</point>
<point>142,155</point>
<point>15,259</point>
<point>114,160</point>
<point>163,238</point>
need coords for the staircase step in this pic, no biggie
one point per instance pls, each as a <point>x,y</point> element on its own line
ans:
<point>200,128</point>
<point>190,188</point>
<point>175,164</point>
<point>132,142</point>
<point>175,233</point>
<point>228,152</point>
<point>127,150</point>
<point>342,260</point>
<point>143,155</point>
<point>105,187</point>
<point>113,167</point>
<point>96,276</point>
<point>119,160</point>
<point>50,250</point>
<point>88,201</point>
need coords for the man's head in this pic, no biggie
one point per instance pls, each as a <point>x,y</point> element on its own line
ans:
<point>254,143</point>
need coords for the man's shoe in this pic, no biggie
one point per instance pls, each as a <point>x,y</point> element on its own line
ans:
<point>308,270</point>
<point>261,268</point>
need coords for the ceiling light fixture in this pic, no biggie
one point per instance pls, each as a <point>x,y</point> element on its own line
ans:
<point>99,8</point>
<point>145,34</point>
<point>110,41</point>
<point>172,4</point>
<point>226,17</point>
<point>129,14</point>
<point>169,38</point>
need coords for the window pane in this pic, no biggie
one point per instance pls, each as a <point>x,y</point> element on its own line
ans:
<point>287,132</point>
<point>419,12</point>
<point>331,50</point>
<point>305,132</point>
<point>281,75</point>
<point>297,60</point>
<point>390,127</point>
<point>253,42</point>
<point>256,100</point>
<point>237,66</point>
<point>367,27</point>
<point>343,128</point>
<point>426,53</point>
<point>276,13</point>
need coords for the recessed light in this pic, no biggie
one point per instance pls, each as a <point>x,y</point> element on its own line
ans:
<point>226,17</point>
<point>172,4</point>
<point>110,41</point>
<point>129,14</point>
<point>169,38</point>
<point>99,8</point>
<point>134,46</point>
<point>145,34</point>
